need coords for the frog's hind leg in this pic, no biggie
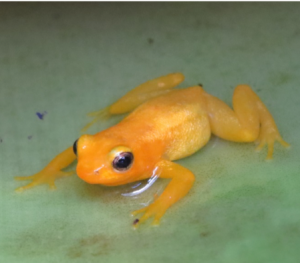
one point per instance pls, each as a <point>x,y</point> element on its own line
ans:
<point>51,172</point>
<point>137,96</point>
<point>249,120</point>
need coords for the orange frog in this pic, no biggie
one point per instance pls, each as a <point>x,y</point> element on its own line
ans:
<point>164,125</point>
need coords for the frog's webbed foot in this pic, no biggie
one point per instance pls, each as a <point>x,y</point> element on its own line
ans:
<point>43,177</point>
<point>268,137</point>
<point>51,172</point>
<point>156,210</point>
<point>103,114</point>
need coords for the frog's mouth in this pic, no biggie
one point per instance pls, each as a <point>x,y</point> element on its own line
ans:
<point>101,175</point>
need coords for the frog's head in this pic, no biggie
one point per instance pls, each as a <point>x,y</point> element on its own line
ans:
<point>109,160</point>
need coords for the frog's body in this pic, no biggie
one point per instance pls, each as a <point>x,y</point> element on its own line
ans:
<point>166,125</point>
<point>169,127</point>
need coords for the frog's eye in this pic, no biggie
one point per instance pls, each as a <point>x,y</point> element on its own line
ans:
<point>122,161</point>
<point>121,158</point>
<point>75,147</point>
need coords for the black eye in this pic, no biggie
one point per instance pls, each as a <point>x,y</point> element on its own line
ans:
<point>123,161</point>
<point>75,147</point>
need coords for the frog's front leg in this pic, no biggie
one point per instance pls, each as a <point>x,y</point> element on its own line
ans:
<point>137,96</point>
<point>182,180</point>
<point>51,172</point>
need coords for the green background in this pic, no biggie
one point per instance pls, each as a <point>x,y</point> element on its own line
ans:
<point>72,58</point>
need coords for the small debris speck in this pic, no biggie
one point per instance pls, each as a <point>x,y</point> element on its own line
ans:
<point>136,221</point>
<point>41,115</point>
<point>150,41</point>
<point>29,137</point>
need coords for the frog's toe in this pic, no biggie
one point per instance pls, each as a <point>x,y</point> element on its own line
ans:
<point>156,210</point>
<point>270,150</point>
<point>269,140</point>
<point>103,114</point>
<point>136,212</point>
<point>24,178</point>
<point>43,177</point>
<point>25,187</point>
<point>283,143</point>
<point>144,217</point>
<point>260,145</point>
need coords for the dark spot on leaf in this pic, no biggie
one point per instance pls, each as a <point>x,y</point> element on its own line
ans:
<point>94,246</point>
<point>150,41</point>
<point>136,221</point>
<point>204,234</point>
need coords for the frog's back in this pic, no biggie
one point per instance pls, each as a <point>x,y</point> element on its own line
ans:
<point>178,118</point>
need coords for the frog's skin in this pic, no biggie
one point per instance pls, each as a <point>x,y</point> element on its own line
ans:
<point>164,125</point>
